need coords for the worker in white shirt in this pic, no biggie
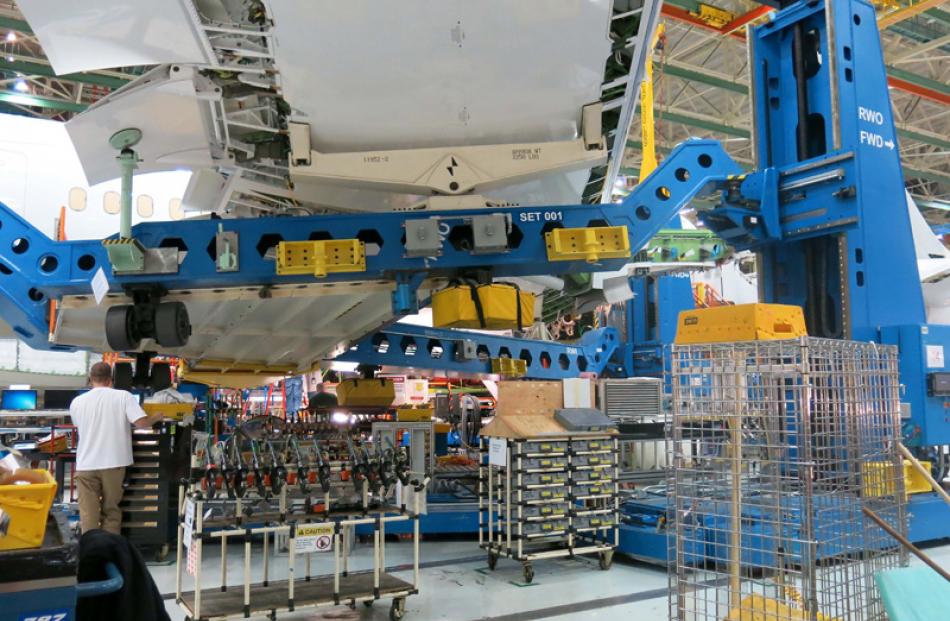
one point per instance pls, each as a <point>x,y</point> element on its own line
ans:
<point>103,417</point>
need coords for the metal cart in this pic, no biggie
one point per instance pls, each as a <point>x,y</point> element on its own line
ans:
<point>549,497</point>
<point>328,531</point>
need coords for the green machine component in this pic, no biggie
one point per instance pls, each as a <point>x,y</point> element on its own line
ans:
<point>681,246</point>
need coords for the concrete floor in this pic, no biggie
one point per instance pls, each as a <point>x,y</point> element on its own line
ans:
<point>457,585</point>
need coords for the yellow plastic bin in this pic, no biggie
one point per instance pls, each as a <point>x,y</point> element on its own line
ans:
<point>28,509</point>
<point>172,411</point>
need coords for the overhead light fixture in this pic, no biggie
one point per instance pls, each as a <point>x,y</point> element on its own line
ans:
<point>11,36</point>
<point>21,86</point>
<point>9,59</point>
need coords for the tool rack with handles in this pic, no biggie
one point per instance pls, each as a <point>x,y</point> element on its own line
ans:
<point>270,597</point>
<point>549,497</point>
<point>160,457</point>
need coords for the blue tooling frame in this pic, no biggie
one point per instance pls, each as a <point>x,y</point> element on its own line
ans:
<point>36,269</point>
<point>826,212</point>
<point>406,345</point>
<point>826,209</point>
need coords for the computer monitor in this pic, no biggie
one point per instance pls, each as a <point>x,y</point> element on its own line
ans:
<point>18,400</point>
<point>59,398</point>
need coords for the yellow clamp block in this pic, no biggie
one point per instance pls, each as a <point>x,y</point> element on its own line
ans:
<point>589,244</point>
<point>509,367</point>
<point>320,257</point>
<point>714,16</point>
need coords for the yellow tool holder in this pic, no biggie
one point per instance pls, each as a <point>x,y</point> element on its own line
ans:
<point>742,322</point>
<point>454,307</point>
<point>879,478</point>
<point>174,411</point>
<point>509,367</point>
<point>714,16</point>
<point>320,257</point>
<point>366,392</point>
<point>413,415</point>
<point>589,244</point>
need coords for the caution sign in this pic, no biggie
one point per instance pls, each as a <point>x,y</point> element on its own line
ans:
<point>314,538</point>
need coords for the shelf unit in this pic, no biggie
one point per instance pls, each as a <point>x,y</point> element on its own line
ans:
<point>549,497</point>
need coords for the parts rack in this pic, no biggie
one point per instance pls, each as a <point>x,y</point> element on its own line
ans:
<point>549,497</point>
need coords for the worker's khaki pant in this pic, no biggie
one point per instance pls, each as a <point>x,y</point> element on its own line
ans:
<point>100,492</point>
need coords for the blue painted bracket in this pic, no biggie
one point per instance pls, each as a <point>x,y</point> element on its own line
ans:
<point>406,345</point>
<point>36,269</point>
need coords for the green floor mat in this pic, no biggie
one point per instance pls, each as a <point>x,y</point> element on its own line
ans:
<point>914,594</point>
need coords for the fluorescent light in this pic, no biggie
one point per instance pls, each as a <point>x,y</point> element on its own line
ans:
<point>346,367</point>
<point>9,59</point>
<point>21,86</point>
<point>11,36</point>
<point>19,386</point>
<point>340,417</point>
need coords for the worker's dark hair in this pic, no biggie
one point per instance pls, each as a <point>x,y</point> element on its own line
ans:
<point>100,372</point>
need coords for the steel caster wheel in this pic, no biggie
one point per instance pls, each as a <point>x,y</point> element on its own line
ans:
<point>492,561</point>
<point>606,560</point>
<point>397,610</point>
<point>528,573</point>
<point>172,326</point>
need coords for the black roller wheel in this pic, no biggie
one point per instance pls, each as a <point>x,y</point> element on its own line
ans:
<point>120,329</point>
<point>606,560</point>
<point>351,604</point>
<point>368,603</point>
<point>528,573</point>
<point>397,610</point>
<point>172,326</point>
<point>492,560</point>
<point>123,375</point>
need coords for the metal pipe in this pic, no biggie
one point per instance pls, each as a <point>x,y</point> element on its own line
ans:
<point>907,544</point>
<point>127,164</point>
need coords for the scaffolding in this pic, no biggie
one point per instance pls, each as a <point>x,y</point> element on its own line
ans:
<point>777,448</point>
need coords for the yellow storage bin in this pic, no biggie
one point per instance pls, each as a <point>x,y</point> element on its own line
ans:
<point>879,479</point>
<point>366,392</point>
<point>914,482</point>
<point>28,509</point>
<point>743,322</point>
<point>173,411</point>
<point>456,307</point>
<point>413,415</point>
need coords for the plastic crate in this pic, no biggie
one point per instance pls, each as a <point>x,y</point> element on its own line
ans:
<point>545,478</point>
<point>549,510</point>
<point>543,463</point>
<point>541,447</point>
<point>583,446</point>
<point>552,527</point>
<point>28,508</point>
<point>544,495</point>
<point>597,475</point>
<point>587,522</point>
<point>592,460</point>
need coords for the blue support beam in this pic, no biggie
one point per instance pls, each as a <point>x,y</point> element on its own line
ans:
<point>41,269</point>
<point>419,347</point>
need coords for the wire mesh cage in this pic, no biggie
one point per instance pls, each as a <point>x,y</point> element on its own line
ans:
<point>776,447</point>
